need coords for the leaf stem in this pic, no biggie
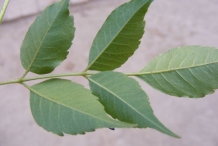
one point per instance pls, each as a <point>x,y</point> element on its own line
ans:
<point>3,10</point>
<point>134,74</point>
<point>11,82</point>
<point>50,76</point>
<point>21,80</point>
<point>56,76</point>
<point>25,85</point>
<point>23,76</point>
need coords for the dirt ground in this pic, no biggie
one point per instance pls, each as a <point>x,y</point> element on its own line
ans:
<point>170,24</point>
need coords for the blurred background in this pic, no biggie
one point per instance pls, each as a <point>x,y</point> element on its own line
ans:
<point>170,24</point>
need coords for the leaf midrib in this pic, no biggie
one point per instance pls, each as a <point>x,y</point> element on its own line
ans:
<point>30,65</point>
<point>125,102</point>
<point>44,96</point>
<point>114,37</point>
<point>175,69</point>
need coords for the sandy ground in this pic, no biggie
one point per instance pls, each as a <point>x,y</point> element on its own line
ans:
<point>170,24</point>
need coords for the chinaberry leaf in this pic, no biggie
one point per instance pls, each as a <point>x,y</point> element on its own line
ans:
<point>61,106</point>
<point>48,39</point>
<point>186,71</point>
<point>124,100</point>
<point>119,36</point>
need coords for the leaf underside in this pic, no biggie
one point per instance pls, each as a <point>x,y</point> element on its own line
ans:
<point>119,36</point>
<point>61,106</point>
<point>48,39</point>
<point>124,100</point>
<point>186,71</point>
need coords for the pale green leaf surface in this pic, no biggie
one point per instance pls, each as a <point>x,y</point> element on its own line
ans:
<point>48,39</point>
<point>124,100</point>
<point>61,106</point>
<point>119,36</point>
<point>187,71</point>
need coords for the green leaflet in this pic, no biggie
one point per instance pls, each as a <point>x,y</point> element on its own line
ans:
<point>124,100</point>
<point>187,71</point>
<point>48,39</point>
<point>61,106</point>
<point>119,37</point>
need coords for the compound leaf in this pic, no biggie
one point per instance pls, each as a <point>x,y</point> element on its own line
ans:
<point>186,71</point>
<point>119,36</point>
<point>124,100</point>
<point>61,106</point>
<point>48,39</point>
